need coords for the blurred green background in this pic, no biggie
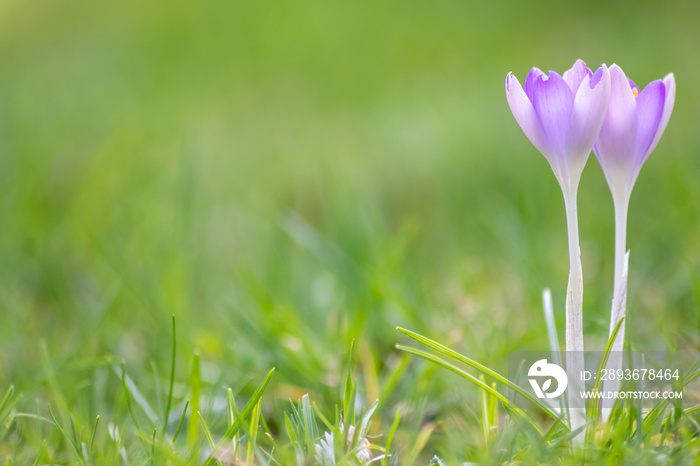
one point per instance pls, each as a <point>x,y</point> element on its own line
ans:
<point>287,177</point>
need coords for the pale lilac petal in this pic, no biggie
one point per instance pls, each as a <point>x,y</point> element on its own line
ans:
<point>670,88</point>
<point>553,102</point>
<point>650,106</point>
<point>616,142</point>
<point>524,114</point>
<point>530,81</point>
<point>575,75</point>
<point>590,105</point>
<point>599,74</point>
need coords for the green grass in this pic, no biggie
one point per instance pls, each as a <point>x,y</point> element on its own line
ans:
<point>292,181</point>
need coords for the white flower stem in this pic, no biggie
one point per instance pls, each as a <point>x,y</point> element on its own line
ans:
<point>620,281</point>
<point>574,314</point>
<point>619,302</point>
<point>574,296</point>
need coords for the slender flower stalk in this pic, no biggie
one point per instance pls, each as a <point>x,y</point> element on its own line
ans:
<point>632,127</point>
<point>574,296</point>
<point>562,116</point>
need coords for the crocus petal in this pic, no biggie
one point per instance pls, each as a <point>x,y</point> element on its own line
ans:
<point>616,142</point>
<point>633,86</point>
<point>575,75</point>
<point>590,105</point>
<point>532,76</point>
<point>670,88</point>
<point>524,114</point>
<point>650,106</point>
<point>553,101</point>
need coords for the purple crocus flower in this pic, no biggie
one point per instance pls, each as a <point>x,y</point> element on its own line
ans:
<point>561,115</point>
<point>632,127</point>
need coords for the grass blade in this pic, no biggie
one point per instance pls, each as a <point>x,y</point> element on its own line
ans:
<point>231,405</point>
<point>390,438</point>
<point>33,416</point>
<point>595,406</point>
<point>66,436</point>
<point>94,432</point>
<point>210,439</point>
<point>553,337</point>
<point>493,409</point>
<point>323,418</point>
<point>309,422</point>
<point>364,424</point>
<point>172,382</point>
<point>606,355</point>
<point>231,431</point>
<point>481,368</point>
<point>422,438</point>
<point>692,377</point>
<point>654,414</point>
<point>196,384</point>
<point>484,402</point>
<point>253,434</point>
<point>182,420</point>
<point>130,407</point>
<point>692,409</point>
<point>232,415</point>
<point>349,401</point>
<point>6,399</point>
<point>136,395</point>
<point>474,380</point>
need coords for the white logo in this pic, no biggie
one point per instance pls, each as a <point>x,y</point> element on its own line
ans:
<point>542,368</point>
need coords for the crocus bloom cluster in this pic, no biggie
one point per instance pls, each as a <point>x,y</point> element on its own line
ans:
<point>562,115</point>
<point>565,117</point>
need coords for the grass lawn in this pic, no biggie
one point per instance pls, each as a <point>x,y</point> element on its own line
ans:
<point>288,182</point>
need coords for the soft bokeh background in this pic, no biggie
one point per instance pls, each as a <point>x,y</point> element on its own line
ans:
<point>287,177</point>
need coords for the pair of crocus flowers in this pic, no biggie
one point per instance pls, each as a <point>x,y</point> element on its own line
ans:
<point>565,117</point>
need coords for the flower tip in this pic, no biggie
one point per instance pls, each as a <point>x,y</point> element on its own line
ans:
<point>615,67</point>
<point>670,88</point>
<point>511,80</point>
<point>618,75</point>
<point>601,74</point>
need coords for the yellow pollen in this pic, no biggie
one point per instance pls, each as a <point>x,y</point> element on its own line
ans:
<point>635,91</point>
